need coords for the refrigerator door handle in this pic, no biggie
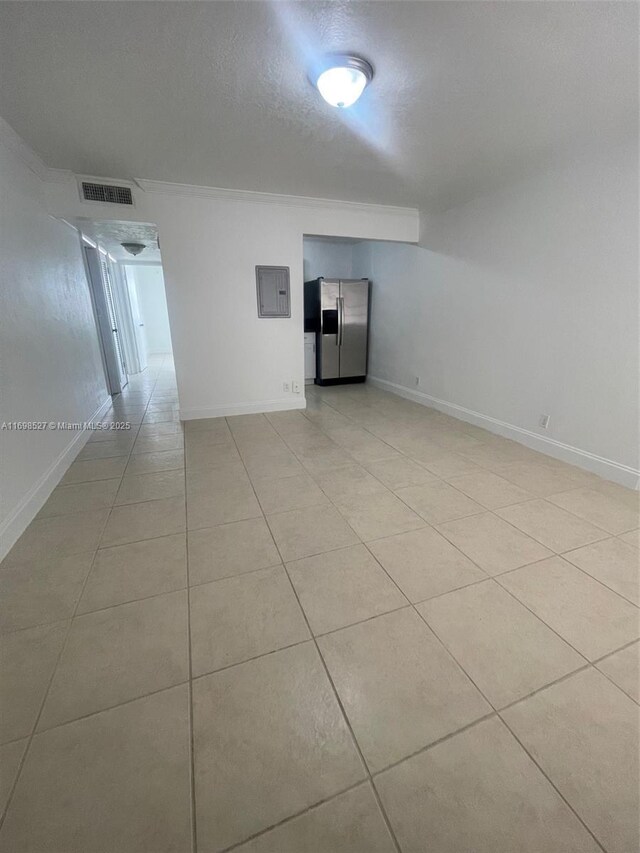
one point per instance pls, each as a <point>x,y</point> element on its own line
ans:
<point>341,320</point>
<point>339,323</point>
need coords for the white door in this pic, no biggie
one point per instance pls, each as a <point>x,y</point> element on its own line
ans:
<point>115,370</point>
<point>114,320</point>
<point>138,324</point>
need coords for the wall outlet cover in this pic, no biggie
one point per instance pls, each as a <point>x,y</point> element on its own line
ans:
<point>296,387</point>
<point>286,387</point>
<point>544,421</point>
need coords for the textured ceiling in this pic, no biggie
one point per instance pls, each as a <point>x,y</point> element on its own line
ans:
<point>111,233</point>
<point>466,97</point>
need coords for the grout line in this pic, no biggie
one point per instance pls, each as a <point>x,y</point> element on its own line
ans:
<point>550,781</point>
<point>319,635</point>
<point>614,652</point>
<point>293,817</point>
<point>607,676</point>
<point>192,768</point>
<point>420,616</point>
<point>108,546</point>
<point>489,716</point>
<point>404,606</point>
<point>448,591</point>
<point>605,534</point>
<point>309,639</point>
<point>64,643</point>
<point>587,666</point>
<point>597,580</point>
<point>573,566</point>
<point>427,522</point>
<point>449,653</point>
<point>251,659</point>
<point>365,766</point>
<point>560,554</point>
<point>49,683</point>
<point>313,637</point>
<point>336,695</point>
<point>489,577</point>
<point>113,505</point>
<point>122,704</point>
<point>537,615</point>
<point>622,689</point>
<point>130,601</point>
<point>236,574</point>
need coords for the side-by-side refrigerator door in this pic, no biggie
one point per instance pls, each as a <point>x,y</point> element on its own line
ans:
<point>354,319</point>
<point>329,350</point>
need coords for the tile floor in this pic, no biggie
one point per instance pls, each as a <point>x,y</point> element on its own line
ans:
<point>362,628</point>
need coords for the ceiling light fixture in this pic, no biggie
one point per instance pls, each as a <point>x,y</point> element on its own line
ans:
<point>342,78</point>
<point>133,248</point>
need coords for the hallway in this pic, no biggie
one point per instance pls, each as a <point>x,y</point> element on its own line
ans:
<point>331,631</point>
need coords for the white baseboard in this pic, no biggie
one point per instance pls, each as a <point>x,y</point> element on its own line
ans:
<point>607,468</point>
<point>228,409</point>
<point>15,524</point>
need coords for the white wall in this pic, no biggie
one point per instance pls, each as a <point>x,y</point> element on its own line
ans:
<point>327,258</point>
<point>152,304</point>
<point>228,360</point>
<point>522,303</point>
<point>51,369</point>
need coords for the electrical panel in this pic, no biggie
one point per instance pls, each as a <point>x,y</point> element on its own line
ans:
<point>272,285</point>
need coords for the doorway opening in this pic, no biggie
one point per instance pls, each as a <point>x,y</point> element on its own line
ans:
<point>337,297</point>
<point>124,269</point>
<point>149,314</point>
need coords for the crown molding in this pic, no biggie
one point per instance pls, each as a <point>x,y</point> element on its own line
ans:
<point>253,197</point>
<point>21,149</point>
<point>64,222</point>
<point>112,182</point>
<point>15,142</point>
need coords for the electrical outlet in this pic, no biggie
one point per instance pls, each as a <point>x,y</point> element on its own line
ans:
<point>296,387</point>
<point>544,421</point>
<point>417,378</point>
<point>286,387</point>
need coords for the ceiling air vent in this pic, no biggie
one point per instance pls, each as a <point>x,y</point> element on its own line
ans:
<point>106,193</point>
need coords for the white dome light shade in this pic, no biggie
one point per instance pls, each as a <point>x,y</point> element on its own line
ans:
<point>342,83</point>
<point>341,87</point>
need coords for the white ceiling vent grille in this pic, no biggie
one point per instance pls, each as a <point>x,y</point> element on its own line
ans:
<point>106,193</point>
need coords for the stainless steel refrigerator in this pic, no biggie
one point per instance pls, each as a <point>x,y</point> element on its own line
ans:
<point>337,310</point>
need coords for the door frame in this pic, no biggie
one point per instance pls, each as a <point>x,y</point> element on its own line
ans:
<point>137,352</point>
<point>112,370</point>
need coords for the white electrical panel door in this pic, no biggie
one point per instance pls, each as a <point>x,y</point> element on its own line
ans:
<point>272,284</point>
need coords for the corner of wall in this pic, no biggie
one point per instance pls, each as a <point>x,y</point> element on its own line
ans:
<point>15,524</point>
